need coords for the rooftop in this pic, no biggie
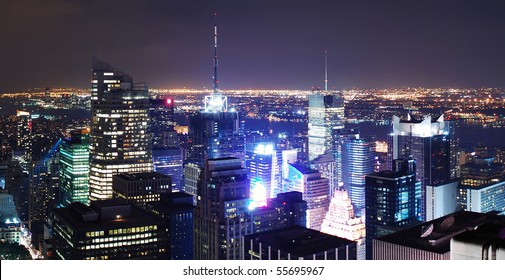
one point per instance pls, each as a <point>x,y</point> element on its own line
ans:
<point>300,241</point>
<point>435,235</point>
<point>142,176</point>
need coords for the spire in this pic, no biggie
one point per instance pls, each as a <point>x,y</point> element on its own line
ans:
<point>215,53</point>
<point>215,102</point>
<point>325,70</point>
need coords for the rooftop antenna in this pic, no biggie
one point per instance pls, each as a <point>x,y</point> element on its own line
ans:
<point>325,70</point>
<point>215,102</point>
<point>215,53</point>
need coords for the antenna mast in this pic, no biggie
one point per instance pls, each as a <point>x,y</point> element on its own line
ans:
<point>215,53</point>
<point>325,70</point>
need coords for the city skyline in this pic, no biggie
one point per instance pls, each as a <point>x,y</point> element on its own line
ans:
<point>274,45</point>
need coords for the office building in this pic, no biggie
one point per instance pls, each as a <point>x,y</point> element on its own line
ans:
<point>326,113</point>
<point>74,169</point>
<point>120,140</point>
<point>339,136</point>
<point>315,190</point>
<point>340,221</point>
<point>23,136</point>
<point>178,210</point>
<point>358,159</point>
<point>286,210</point>
<point>482,199</point>
<point>141,188</point>
<point>108,230</point>
<point>162,126</point>
<point>297,243</point>
<point>482,171</point>
<point>436,239</point>
<point>393,199</point>
<point>10,225</point>
<point>430,142</point>
<point>167,153</point>
<point>169,161</point>
<point>327,165</point>
<point>264,166</point>
<point>441,199</point>
<point>222,210</point>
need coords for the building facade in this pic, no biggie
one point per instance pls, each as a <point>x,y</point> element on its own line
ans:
<point>120,139</point>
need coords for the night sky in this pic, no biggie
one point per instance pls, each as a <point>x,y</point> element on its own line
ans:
<point>270,44</point>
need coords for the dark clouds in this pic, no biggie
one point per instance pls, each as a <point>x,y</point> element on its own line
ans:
<point>263,43</point>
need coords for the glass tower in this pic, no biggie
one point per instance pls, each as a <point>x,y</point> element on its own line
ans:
<point>120,141</point>
<point>74,169</point>
<point>358,157</point>
<point>393,198</point>
<point>326,113</point>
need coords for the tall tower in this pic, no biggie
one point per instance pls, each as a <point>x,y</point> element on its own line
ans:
<point>326,113</point>
<point>429,143</point>
<point>222,214</point>
<point>358,157</point>
<point>392,201</point>
<point>74,169</point>
<point>120,141</point>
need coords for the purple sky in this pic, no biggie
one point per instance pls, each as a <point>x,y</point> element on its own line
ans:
<point>263,43</point>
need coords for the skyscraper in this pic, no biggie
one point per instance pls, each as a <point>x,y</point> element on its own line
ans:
<point>108,229</point>
<point>222,210</point>
<point>315,190</point>
<point>167,153</point>
<point>264,166</point>
<point>392,197</point>
<point>428,141</point>
<point>120,141</point>
<point>340,221</point>
<point>23,133</point>
<point>74,169</point>
<point>326,113</point>
<point>358,157</point>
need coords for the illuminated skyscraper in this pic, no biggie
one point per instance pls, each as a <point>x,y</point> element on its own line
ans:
<point>315,190</point>
<point>120,141</point>
<point>340,221</point>
<point>23,133</point>
<point>108,230</point>
<point>74,169</point>
<point>430,143</point>
<point>167,153</point>
<point>358,157</point>
<point>264,168</point>
<point>222,210</point>
<point>392,201</point>
<point>326,113</point>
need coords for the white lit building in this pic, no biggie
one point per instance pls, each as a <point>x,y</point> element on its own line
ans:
<point>315,190</point>
<point>340,221</point>
<point>120,140</point>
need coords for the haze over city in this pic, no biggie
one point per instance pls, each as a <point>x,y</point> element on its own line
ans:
<point>263,44</point>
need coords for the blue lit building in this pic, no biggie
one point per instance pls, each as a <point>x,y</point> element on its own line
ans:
<point>392,201</point>
<point>264,165</point>
<point>358,157</point>
<point>315,190</point>
<point>168,161</point>
<point>222,210</point>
